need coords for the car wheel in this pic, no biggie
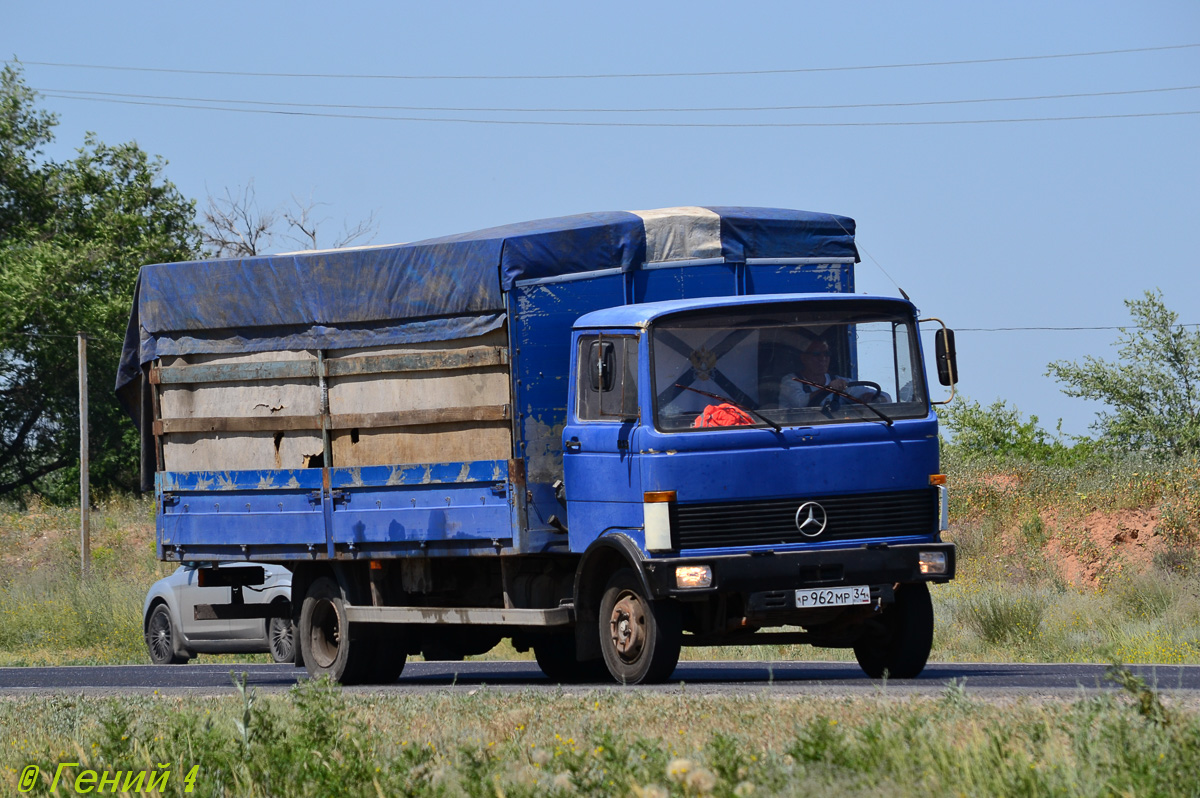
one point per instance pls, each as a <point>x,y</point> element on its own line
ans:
<point>639,638</point>
<point>281,639</point>
<point>161,638</point>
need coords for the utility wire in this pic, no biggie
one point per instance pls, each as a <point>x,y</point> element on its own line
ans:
<point>556,123</point>
<point>1060,329</point>
<point>605,76</point>
<point>476,109</point>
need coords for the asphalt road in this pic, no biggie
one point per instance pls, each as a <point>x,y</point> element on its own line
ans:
<point>828,679</point>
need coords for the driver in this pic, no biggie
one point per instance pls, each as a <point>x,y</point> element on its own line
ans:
<point>814,367</point>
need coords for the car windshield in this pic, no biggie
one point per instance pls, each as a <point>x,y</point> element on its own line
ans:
<point>787,365</point>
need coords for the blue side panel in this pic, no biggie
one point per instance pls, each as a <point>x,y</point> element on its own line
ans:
<point>686,282</point>
<point>541,317</point>
<point>378,511</point>
<point>211,515</point>
<point>819,278</point>
<point>449,508</point>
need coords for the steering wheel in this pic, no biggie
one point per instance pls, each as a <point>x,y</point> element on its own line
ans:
<point>873,385</point>
<point>824,396</point>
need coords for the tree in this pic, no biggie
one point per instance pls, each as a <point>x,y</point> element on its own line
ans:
<point>1001,431</point>
<point>236,226</point>
<point>72,238</point>
<point>1153,389</point>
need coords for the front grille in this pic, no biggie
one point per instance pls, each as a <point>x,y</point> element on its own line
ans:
<point>773,521</point>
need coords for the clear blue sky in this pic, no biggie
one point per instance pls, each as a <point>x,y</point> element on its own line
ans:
<point>1030,224</point>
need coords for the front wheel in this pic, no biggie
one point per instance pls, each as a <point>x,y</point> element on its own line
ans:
<point>639,638</point>
<point>901,647</point>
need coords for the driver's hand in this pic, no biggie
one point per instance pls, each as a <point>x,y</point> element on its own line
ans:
<point>838,385</point>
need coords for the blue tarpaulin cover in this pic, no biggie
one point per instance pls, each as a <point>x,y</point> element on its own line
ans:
<point>438,289</point>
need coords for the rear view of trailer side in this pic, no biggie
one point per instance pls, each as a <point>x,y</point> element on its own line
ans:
<point>578,433</point>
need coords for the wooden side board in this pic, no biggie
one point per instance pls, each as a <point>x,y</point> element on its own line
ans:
<point>430,402</point>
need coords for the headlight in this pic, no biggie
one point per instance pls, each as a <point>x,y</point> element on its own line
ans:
<point>693,576</point>
<point>932,562</point>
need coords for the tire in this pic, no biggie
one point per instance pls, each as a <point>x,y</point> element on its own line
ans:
<point>281,639</point>
<point>388,656</point>
<point>329,645</point>
<point>639,638</point>
<point>902,647</point>
<point>555,655</point>
<point>162,638</point>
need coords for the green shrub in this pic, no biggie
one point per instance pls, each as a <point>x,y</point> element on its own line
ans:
<point>1000,431</point>
<point>1011,617</point>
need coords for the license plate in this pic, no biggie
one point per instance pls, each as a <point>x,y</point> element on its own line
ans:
<point>832,597</point>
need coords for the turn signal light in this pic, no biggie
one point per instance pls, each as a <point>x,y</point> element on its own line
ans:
<point>937,479</point>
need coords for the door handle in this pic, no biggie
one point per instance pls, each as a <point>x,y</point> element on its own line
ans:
<point>572,445</point>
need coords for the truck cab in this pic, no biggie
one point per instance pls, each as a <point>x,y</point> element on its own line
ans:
<point>707,440</point>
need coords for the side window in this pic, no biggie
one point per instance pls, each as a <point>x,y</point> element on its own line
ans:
<point>607,379</point>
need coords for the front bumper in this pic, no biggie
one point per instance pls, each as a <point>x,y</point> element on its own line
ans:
<point>871,564</point>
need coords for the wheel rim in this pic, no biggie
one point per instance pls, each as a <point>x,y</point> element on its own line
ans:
<point>159,637</point>
<point>281,638</point>
<point>326,632</point>
<point>628,626</point>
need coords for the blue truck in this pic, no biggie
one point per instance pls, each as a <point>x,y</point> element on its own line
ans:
<point>602,436</point>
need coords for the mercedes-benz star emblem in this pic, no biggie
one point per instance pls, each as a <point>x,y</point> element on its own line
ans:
<point>811,519</point>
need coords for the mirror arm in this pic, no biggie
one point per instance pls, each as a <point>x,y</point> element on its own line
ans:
<point>950,364</point>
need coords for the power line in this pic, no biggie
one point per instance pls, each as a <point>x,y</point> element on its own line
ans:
<point>604,76</point>
<point>557,123</point>
<point>1059,329</point>
<point>83,94</point>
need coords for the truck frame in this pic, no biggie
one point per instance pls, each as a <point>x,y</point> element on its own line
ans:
<point>578,433</point>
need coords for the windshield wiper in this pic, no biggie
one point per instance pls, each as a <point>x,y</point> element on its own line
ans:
<point>775,426</point>
<point>851,397</point>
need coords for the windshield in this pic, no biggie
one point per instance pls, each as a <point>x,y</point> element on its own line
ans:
<point>787,365</point>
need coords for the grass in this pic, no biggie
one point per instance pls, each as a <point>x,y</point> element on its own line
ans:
<point>1012,522</point>
<point>315,740</point>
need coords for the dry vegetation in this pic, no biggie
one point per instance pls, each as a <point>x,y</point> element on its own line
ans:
<point>1079,563</point>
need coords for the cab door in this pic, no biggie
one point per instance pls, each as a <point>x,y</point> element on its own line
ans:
<point>601,472</point>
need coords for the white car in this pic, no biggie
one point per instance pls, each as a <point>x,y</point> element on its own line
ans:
<point>174,636</point>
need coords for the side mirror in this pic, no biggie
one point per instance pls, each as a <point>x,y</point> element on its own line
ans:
<point>947,361</point>
<point>602,368</point>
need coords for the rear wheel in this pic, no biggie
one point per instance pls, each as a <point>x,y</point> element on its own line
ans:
<point>639,638</point>
<point>161,638</point>
<point>388,655</point>
<point>329,647</point>
<point>556,657</point>
<point>901,647</point>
